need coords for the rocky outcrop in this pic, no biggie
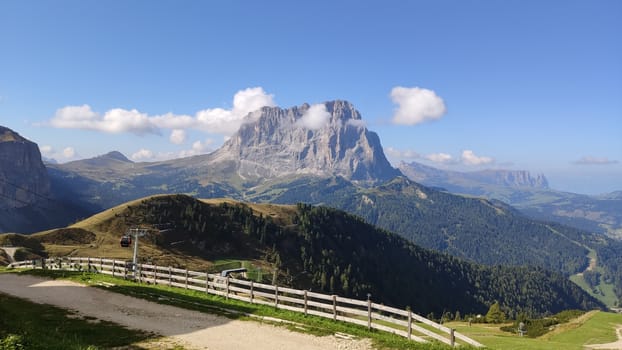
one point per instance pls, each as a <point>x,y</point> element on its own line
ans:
<point>23,177</point>
<point>446,178</point>
<point>275,142</point>
<point>511,178</point>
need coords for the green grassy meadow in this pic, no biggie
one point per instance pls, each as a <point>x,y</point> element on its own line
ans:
<point>595,328</point>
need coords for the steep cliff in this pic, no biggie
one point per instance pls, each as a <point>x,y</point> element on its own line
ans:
<point>23,177</point>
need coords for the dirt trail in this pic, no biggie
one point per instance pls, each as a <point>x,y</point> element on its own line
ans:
<point>616,345</point>
<point>192,329</point>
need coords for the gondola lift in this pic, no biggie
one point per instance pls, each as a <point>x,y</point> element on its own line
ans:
<point>126,241</point>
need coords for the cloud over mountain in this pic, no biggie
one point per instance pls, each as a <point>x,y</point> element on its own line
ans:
<point>469,158</point>
<point>119,120</point>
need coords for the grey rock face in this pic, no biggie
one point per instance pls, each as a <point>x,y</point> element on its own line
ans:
<point>23,177</point>
<point>273,143</point>
<point>514,178</point>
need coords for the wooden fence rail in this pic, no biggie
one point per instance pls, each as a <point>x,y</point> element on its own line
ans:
<point>362,312</point>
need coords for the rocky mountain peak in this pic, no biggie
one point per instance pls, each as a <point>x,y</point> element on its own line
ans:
<point>23,177</point>
<point>116,155</point>
<point>324,139</point>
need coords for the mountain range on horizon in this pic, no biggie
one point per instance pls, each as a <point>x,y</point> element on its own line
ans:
<point>276,158</point>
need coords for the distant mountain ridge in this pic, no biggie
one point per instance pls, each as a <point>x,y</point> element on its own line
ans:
<point>446,178</point>
<point>531,194</point>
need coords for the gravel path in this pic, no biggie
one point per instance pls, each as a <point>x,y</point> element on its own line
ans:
<point>192,329</point>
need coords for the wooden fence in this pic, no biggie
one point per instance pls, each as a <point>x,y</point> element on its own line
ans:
<point>362,312</point>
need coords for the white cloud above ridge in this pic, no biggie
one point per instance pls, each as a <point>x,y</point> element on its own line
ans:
<point>315,117</point>
<point>198,148</point>
<point>439,158</point>
<point>591,160</point>
<point>142,155</point>
<point>416,105</point>
<point>468,157</point>
<point>398,154</point>
<point>178,136</point>
<point>69,152</point>
<point>118,120</point>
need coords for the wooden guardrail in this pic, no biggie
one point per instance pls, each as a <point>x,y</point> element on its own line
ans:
<point>362,312</point>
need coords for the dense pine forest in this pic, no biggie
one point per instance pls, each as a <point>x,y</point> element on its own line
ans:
<point>327,250</point>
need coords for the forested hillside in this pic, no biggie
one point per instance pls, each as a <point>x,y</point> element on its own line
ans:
<point>328,250</point>
<point>472,228</point>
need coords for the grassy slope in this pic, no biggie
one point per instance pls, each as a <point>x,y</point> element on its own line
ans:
<point>598,327</point>
<point>605,291</point>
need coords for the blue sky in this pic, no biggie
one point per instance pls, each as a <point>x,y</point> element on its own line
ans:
<point>463,85</point>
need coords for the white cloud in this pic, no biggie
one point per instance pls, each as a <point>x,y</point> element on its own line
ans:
<point>251,99</point>
<point>416,105</point>
<point>591,160</point>
<point>75,117</point>
<point>173,121</point>
<point>314,118</point>
<point>142,155</point>
<point>118,120</point>
<point>359,123</point>
<point>228,121</point>
<point>469,158</point>
<point>178,136</point>
<point>439,157</point>
<point>46,150</point>
<point>69,152</point>
<point>198,148</point>
<point>401,154</point>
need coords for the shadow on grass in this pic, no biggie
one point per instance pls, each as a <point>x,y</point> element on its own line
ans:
<point>40,326</point>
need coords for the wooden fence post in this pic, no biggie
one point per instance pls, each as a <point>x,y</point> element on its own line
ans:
<point>170,275</point>
<point>125,271</point>
<point>186,278</point>
<point>113,267</point>
<point>369,311</point>
<point>206,282</point>
<point>305,295</point>
<point>452,337</point>
<point>227,288</point>
<point>410,324</point>
<point>334,307</point>
<point>252,296</point>
<point>276,296</point>
<point>101,265</point>
<point>88,263</point>
<point>155,274</point>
